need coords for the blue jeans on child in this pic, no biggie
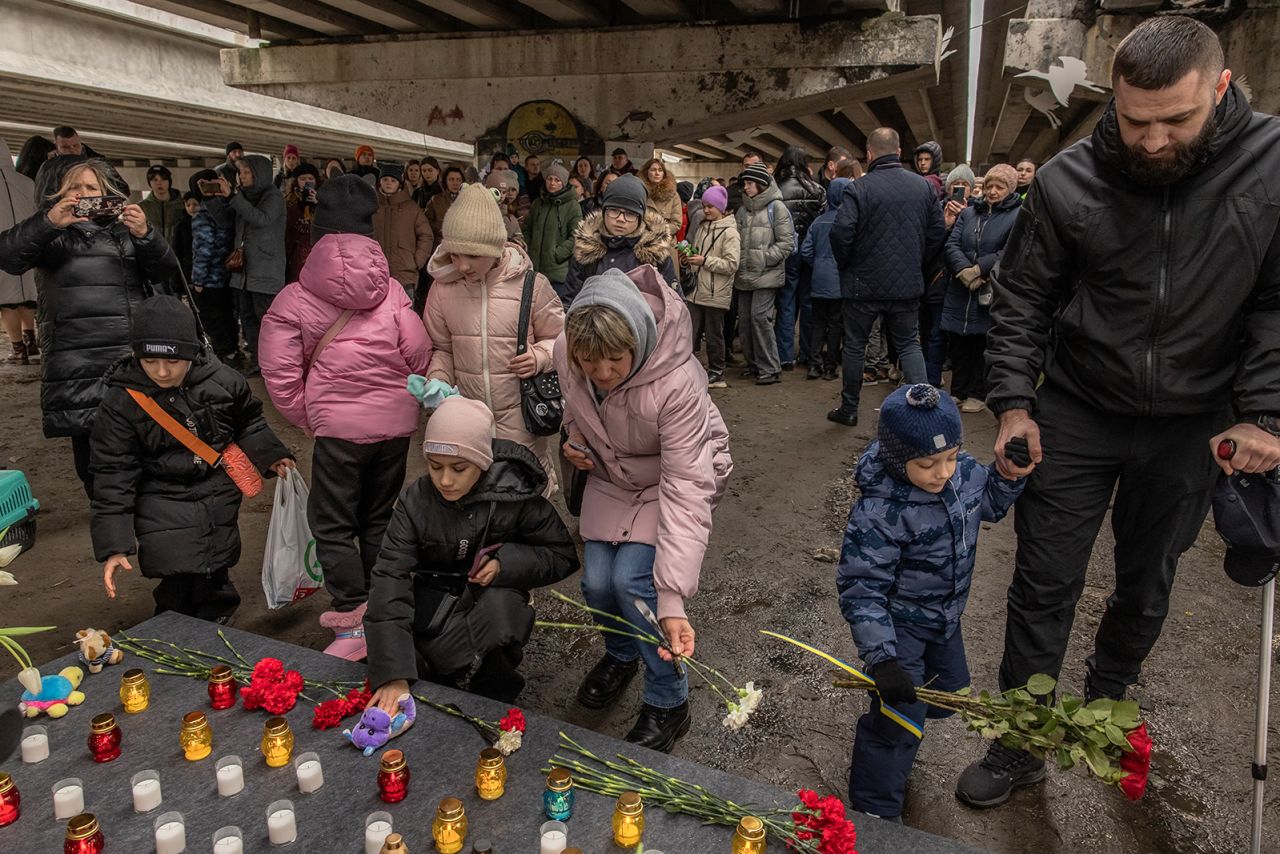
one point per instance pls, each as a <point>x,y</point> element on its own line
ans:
<point>614,576</point>
<point>883,751</point>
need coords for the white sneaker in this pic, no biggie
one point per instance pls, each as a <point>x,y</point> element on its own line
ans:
<point>972,405</point>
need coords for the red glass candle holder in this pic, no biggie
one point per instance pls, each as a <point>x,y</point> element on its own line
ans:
<point>393,777</point>
<point>84,836</point>
<point>104,738</point>
<point>222,687</point>
<point>10,800</point>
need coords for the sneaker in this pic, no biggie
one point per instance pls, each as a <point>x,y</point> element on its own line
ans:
<point>894,374</point>
<point>988,782</point>
<point>715,379</point>
<point>788,366</point>
<point>972,405</point>
<point>815,372</point>
<point>830,374</point>
<point>768,379</point>
<point>348,633</point>
<point>749,372</point>
<point>870,378</point>
<point>843,416</point>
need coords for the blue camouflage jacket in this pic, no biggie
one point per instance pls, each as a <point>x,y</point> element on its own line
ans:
<point>210,246</point>
<point>908,554</point>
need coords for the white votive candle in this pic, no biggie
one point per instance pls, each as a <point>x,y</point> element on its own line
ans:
<point>68,798</point>
<point>555,837</point>
<point>282,828</point>
<point>310,774</point>
<point>171,834</point>
<point>228,840</point>
<point>35,745</point>
<point>230,776</point>
<point>146,791</point>
<point>377,827</point>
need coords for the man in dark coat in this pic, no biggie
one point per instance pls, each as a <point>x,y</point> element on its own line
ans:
<point>1134,321</point>
<point>154,497</point>
<point>889,226</point>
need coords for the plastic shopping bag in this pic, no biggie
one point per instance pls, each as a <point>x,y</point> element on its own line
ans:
<point>290,569</point>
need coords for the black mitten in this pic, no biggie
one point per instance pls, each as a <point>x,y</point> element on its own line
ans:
<point>893,683</point>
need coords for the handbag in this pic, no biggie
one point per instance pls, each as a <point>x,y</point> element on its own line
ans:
<point>689,278</point>
<point>233,460</point>
<point>540,398</point>
<point>326,339</point>
<point>235,261</point>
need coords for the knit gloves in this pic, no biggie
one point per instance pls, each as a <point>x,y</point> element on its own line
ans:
<point>430,393</point>
<point>893,683</point>
<point>970,277</point>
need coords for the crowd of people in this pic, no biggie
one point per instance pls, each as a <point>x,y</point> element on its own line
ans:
<point>1070,300</point>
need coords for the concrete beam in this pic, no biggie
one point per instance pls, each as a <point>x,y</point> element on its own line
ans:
<point>862,116</point>
<point>909,102</point>
<point>701,151</point>
<point>661,9</point>
<point>820,127</point>
<point>578,12</point>
<point>401,16</point>
<point>782,132</point>
<point>1085,126</point>
<point>220,13</point>
<point>1013,117</point>
<point>1045,143</point>
<point>478,13</point>
<point>726,146</point>
<point>314,15</point>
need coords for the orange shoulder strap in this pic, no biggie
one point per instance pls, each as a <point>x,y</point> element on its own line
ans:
<point>174,429</point>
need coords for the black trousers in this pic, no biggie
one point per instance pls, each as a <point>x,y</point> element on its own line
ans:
<point>80,453</point>
<point>498,677</point>
<point>251,308</point>
<point>217,310</point>
<point>209,597</point>
<point>708,325</point>
<point>353,491</point>
<point>1162,473</point>
<point>731,326</point>
<point>828,329</point>
<point>969,366</point>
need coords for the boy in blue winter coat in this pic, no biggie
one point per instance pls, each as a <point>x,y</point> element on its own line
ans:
<point>904,576</point>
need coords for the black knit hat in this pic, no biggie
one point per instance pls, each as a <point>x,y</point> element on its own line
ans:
<point>391,170</point>
<point>758,173</point>
<point>306,169</point>
<point>164,328</point>
<point>162,171</point>
<point>345,205</point>
<point>234,146</point>
<point>627,193</point>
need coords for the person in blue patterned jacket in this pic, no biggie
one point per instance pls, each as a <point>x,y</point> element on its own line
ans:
<point>211,243</point>
<point>904,574</point>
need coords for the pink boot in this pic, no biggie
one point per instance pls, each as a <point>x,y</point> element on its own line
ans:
<point>348,633</point>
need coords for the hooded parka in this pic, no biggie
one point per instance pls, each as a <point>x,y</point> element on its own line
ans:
<point>549,232</point>
<point>257,215</point>
<point>595,250</point>
<point>768,239</point>
<point>402,230</point>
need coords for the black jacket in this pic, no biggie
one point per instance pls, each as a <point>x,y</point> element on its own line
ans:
<point>148,488</point>
<point>888,228</point>
<point>594,251</point>
<point>804,197</point>
<point>431,545</point>
<point>1146,300</point>
<point>90,278</point>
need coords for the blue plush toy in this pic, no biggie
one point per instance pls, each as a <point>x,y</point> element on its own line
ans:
<point>376,727</point>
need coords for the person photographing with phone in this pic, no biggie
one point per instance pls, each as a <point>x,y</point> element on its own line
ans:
<point>94,257</point>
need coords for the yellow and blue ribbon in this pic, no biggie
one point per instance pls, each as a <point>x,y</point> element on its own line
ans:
<point>888,711</point>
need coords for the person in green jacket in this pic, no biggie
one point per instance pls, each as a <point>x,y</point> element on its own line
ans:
<point>549,229</point>
<point>164,207</point>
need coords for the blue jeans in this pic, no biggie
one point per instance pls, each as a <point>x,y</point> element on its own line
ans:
<point>883,752</point>
<point>901,324</point>
<point>614,576</point>
<point>935,343</point>
<point>788,305</point>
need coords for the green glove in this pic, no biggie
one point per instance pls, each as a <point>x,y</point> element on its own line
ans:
<point>430,393</point>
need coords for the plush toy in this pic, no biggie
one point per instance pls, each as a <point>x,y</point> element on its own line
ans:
<point>56,694</point>
<point>96,650</point>
<point>376,727</point>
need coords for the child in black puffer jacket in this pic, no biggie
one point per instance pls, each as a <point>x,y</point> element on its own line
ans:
<point>151,495</point>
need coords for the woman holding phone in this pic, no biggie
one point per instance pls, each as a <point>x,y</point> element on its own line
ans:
<point>92,272</point>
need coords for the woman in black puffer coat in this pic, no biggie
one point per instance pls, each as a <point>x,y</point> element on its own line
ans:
<point>91,276</point>
<point>805,199</point>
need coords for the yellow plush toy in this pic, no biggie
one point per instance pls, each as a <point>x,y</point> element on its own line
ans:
<point>56,695</point>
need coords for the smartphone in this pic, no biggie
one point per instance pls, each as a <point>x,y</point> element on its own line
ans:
<point>210,188</point>
<point>958,194</point>
<point>583,448</point>
<point>99,206</point>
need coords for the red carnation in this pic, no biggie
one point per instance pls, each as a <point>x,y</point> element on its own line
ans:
<point>272,687</point>
<point>514,721</point>
<point>330,713</point>
<point>1137,763</point>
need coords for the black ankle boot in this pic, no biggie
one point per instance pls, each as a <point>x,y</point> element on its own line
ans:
<point>29,340</point>
<point>606,682</point>
<point>660,729</point>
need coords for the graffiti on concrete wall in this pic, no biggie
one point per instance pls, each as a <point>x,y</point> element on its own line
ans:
<point>542,128</point>
<point>439,116</point>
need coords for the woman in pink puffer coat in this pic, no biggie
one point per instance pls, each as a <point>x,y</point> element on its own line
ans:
<point>473,313</point>
<point>657,453</point>
<point>353,399</point>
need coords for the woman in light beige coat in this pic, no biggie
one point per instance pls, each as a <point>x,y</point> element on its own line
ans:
<point>664,200</point>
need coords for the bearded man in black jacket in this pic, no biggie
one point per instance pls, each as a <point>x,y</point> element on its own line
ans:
<point>1142,280</point>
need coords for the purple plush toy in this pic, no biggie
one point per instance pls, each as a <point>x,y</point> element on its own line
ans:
<point>376,727</point>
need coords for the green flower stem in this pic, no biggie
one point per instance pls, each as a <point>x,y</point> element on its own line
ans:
<point>457,713</point>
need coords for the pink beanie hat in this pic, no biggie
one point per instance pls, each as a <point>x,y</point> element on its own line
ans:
<point>717,197</point>
<point>461,427</point>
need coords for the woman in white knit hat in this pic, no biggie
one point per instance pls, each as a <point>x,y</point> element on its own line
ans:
<point>473,313</point>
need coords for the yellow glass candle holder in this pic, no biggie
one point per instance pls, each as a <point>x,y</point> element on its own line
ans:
<point>277,742</point>
<point>449,829</point>
<point>135,691</point>
<point>491,775</point>
<point>749,837</point>
<point>628,820</point>
<point>196,736</point>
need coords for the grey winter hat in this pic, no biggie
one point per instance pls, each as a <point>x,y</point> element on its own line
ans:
<point>555,170</point>
<point>344,205</point>
<point>758,173</point>
<point>958,174</point>
<point>614,289</point>
<point>627,193</point>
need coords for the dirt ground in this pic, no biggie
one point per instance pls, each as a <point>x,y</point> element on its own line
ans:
<point>789,496</point>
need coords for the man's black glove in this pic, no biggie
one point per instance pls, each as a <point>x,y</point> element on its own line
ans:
<point>893,683</point>
<point>1018,452</point>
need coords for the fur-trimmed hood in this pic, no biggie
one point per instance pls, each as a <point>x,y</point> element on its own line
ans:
<point>663,191</point>
<point>651,245</point>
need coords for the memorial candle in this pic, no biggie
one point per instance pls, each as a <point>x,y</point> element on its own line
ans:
<point>557,800</point>
<point>628,820</point>
<point>393,777</point>
<point>377,826</point>
<point>228,840</point>
<point>277,742</point>
<point>282,826</point>
<point>554,836</point>
<point>135,691</point>
<point>146,791</point>
<point>171,834</point>
<point>449,829</point>
<point>68,798</point>
<point>222,687</point>
<point>84,836</point>
<point>491,775</point>
<point>10,800</point>
<point>749,837</point>
<point>35,745</point>
<point>230,775</point>
<point>104,738</point>
<point>196,737</point>
<point>310,774</point>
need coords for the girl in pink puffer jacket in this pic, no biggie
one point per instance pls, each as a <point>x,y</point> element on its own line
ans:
<point>657,453</point>
<point>351,398</point>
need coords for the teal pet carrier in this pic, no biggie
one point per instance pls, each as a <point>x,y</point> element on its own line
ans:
<point>17,510</point>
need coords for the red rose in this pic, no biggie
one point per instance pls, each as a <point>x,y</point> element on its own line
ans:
<point>1137,763</point>
<point>514,721</point>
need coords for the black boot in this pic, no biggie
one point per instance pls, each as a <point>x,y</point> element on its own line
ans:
<point>815,371</point>
<point>606,682</point>
<point>660,729</point>
<point>29,339</point>
<point>989,781</point>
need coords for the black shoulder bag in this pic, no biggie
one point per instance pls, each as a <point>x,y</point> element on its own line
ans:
<point>540,398</point>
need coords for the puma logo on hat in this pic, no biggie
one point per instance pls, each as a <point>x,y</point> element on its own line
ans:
<point>163,349</point>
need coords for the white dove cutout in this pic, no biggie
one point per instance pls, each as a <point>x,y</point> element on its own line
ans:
<point>944,46</point>
<point>1045,103</point>
<point>1064,78</point>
